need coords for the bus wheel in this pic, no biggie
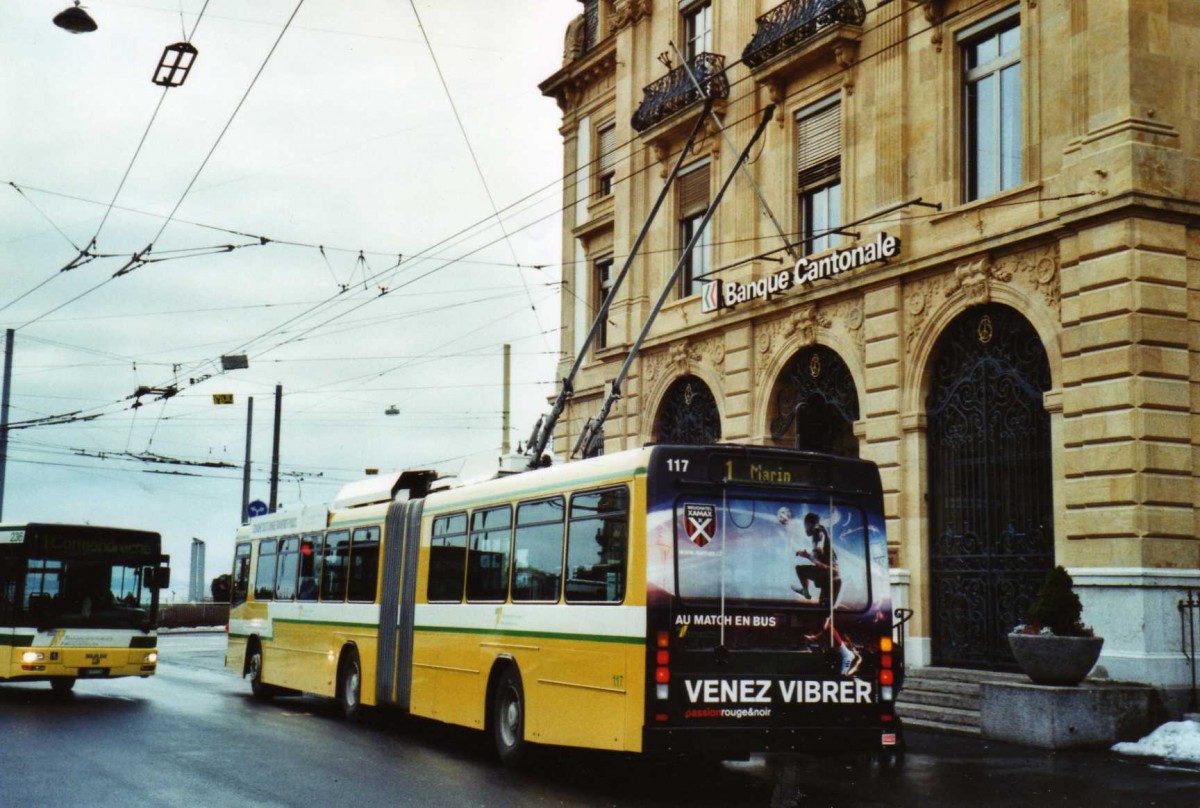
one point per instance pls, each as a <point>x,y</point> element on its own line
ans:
<point>254,667</point>
<point>508,718</point>
<point>350,685</point>
<point>62,684</point>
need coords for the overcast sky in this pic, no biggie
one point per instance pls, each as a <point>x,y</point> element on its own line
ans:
<point>348,140</point>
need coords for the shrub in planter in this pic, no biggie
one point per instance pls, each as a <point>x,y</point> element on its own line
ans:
<point>1054,647</point>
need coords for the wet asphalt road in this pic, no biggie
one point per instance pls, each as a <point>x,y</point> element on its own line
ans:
<point>192,736</point>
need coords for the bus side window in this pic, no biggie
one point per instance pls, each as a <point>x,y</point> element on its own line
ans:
<point>337,553</point>
<point>289,562</point>
<point>364,564</point>
<point>310,566</point>
<point>264,579</point>
<point>241,574</point>
<point>597,541</point>
<point>537,551</point>
<point>487,561</point>
<point>447,558</point>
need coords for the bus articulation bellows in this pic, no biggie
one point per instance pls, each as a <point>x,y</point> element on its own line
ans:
<point>717,600</point>
<point>78,601</point>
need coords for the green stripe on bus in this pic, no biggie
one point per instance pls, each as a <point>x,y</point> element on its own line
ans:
<point>335,623</point>
<point>534,493</point>
<point>17,640</point>
<point>543,635</point>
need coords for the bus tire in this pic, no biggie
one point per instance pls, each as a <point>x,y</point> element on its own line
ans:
<point>254,669</point>
<point>349,690</point>
<point>508,718</point>
<point>62,684</point>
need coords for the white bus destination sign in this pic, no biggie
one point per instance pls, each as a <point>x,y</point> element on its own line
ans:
<point>725,295</point>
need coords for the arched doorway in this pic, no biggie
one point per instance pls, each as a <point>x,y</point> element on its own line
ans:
<point>991,510</point>
<point>816,403</point>
<point>688,414</point>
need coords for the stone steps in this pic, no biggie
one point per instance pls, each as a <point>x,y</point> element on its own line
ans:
<point>946,699</point>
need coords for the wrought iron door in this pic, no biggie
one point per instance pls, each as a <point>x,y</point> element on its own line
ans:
<point>688,414</point>
<point>990,501</point>
<point>816,397</point>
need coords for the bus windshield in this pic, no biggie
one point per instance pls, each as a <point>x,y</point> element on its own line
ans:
<point>773,552</point>
<point>85,593</point>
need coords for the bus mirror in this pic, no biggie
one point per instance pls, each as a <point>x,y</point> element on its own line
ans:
<point>158,577</point>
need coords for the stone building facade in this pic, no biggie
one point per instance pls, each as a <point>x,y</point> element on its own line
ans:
<point>1024,369</point>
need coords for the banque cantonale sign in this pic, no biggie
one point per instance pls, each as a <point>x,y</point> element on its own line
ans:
<point>725,295</point>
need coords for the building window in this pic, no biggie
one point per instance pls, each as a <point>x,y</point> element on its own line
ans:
<point>992,62</point>
<point>606,159</point>
<point>819,173</point>
<point>602,285</point>
<point>591,24</point>
<point>697,29</point>
<point>692,192</point>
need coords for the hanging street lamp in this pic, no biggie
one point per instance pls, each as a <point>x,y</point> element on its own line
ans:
<point>175,64</point>
<point>75,20</point>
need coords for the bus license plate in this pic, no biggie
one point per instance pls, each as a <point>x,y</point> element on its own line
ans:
<point>93,672</point>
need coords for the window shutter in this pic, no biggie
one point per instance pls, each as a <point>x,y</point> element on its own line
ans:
<point>819,146</point>
<point>607,151</point>
<point>693,192</point>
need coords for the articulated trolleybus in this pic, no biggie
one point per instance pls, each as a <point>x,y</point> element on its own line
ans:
<point>707,600</point>
<point>78,602</point>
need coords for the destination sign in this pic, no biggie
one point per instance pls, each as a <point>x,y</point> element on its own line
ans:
<point>767,471</point>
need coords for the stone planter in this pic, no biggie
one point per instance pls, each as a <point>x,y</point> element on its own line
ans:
<point>1048,659</point>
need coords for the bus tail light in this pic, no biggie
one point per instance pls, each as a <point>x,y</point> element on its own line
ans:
<point>886,677</point>
<point>662,675</point>
<point>663,639</point>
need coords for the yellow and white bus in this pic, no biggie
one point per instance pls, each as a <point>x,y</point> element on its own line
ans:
<point>719,600</point>
<point>78,601</point>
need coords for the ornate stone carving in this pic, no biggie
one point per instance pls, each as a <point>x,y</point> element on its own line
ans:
<point>848,314</point>
<point>713,351</point>
<point>628,12</point>
<point>573,44</point>
<point>973,278</point>
<point>1035,270</point>
<point>803,322</point>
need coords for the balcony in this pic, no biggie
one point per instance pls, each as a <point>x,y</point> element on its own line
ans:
<point>675,91</point>
<point>794,23</point>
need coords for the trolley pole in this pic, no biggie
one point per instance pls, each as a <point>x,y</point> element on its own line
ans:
<point>9,335</point>
<point>275,449</point>
<point>246,469</point>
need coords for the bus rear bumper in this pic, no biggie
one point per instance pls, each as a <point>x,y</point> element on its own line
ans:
<point>738,743</point>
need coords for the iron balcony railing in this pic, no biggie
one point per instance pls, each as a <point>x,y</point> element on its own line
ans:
<point>675,91</point>
<point>795,21</point>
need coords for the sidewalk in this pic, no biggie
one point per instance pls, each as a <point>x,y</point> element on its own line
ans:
<point>948,770</point>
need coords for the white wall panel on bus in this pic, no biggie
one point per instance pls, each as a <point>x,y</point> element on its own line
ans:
<point>365,615</point>
<point>575,620</point>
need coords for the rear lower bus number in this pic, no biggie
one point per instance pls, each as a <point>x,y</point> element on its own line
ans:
<point>677,464</point>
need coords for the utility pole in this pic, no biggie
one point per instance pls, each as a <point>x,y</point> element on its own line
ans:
<point>246,471</point>
<point>275,450</point>
<point>505,446</point>
<point>9,335</point>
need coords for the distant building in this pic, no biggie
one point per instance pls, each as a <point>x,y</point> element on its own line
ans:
<point>1024,369</point>
<point>197,591</point>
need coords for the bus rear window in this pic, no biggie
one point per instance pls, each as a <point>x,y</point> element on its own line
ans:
<point>776,552</point>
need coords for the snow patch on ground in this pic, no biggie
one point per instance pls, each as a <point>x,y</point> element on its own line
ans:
<point>1175,741</point>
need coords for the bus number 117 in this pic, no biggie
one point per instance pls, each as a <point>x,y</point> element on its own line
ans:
<point>677,464</point>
